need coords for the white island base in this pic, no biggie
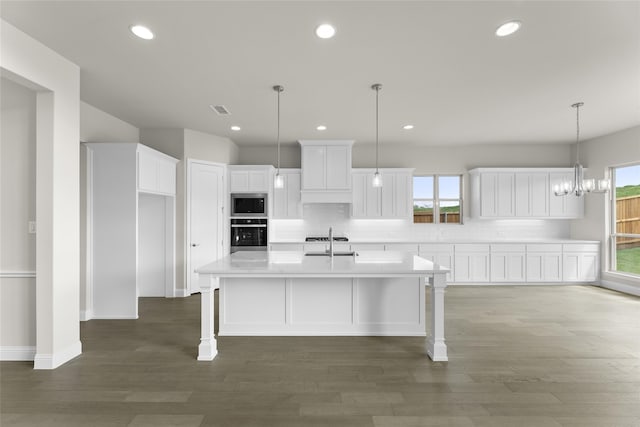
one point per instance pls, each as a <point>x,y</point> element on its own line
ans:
<point>260,300</point>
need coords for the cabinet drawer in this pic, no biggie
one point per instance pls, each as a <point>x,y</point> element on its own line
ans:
<point>580,247</point>
<point>507,247</point>
<point>544,247</point>
<point>435,247</point>
<point>471,247</point>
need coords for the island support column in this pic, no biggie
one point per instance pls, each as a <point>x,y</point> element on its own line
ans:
<point>208,347</point>
<point>436,348</point>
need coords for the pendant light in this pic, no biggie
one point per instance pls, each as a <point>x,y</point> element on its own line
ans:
<point>377,179</point>
<point>278,180</point>
<point>580,185</point>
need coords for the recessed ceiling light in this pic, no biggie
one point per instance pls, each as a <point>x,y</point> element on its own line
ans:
<point>407,127</point>
<point>508,28</point>
<point>321,127</point>
<point>141,31</point>
<point>235,128</point>
<point>325,31</point>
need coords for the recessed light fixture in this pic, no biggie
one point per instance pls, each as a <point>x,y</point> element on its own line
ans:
<point>325,31</point>
<point>407,127</point>
<point>321,127</point>
<point>141,31</point>
<point>235,128</point>
<point>508,28</point>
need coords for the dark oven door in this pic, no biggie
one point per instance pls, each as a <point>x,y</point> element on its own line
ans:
<point>248,235</point>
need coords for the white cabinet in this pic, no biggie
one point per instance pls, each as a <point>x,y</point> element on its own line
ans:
<point>544,262</point>
<point>391,201</point>
<point>580,262</point>
<point>498,193</point>
<point>286,200</point>
<point>249,178</point>
<point>532,194</point>
<point>471,263</point>
<point>440,253</point>
<point>132,221</point>
<point>156,171</point>
<point>564,206</point>
<point>508,262</point>
<point>326,171</point>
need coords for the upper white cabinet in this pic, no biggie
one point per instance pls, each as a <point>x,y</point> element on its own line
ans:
<point>156,171</point>
<point>564,206</point>
<point>286,200</point>
<point>326,171</point>
<point>392,200</point>
<point>498,193</point>
<point>249,179</point>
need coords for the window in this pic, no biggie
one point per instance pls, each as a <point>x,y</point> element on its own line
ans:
<point>437,199</point>
<point>625,215</point>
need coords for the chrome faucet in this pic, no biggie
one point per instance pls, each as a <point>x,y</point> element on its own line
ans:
<point>330,241</point>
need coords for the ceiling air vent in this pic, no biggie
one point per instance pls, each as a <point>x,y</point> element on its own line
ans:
<point>221,110</point>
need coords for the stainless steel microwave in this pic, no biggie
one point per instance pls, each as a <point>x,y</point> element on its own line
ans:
<point>249,204</point>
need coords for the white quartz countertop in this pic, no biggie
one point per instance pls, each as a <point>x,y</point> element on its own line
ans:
<point>296,264</point>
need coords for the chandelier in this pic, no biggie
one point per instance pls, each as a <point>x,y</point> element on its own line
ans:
<point>579,185</point>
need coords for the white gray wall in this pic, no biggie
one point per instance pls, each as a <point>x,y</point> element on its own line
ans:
<point>17,207</point>
<point>57,83</point>
<point>598,155</point>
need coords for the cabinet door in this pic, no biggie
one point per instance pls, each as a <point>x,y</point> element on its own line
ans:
<point>508,267</point>
<point>259,181</point>
<point>472,267</point>
<point>314,160</point>
<point>489,194</point>
<point>359,196</point>
<point>387,196</point>
<point>338,167</point>
<point>539,190</point>
<point>147,174</point>
<point>238,181</point>
<point>286,200</point>
<point>506,192</point>
<point>564,206</point>
<point>166,171</point>
<point>403,197</point>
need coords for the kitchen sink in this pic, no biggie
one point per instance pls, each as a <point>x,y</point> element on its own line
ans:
<point>335,253</point>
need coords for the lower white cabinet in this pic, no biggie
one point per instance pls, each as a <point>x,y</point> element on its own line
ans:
<point>580,262</point>
<point>544,262</point>
<point>440,253</point>
<point>471,263</point>
<point>508,263</point>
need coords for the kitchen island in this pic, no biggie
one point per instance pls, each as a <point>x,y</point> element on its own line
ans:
<point>279,293</point>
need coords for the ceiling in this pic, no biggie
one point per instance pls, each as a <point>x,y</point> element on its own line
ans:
<point>441,66</point>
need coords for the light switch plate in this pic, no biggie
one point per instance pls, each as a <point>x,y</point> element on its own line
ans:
<point>32,227</point>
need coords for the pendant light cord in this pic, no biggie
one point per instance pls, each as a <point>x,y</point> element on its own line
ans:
<point>577,106</point>
<point>377,88</point>
<point>278,89</point>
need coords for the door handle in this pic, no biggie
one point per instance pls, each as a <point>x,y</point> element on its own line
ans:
<point>193,245</point>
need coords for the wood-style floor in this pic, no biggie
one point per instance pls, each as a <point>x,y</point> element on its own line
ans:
<point>519,357</point>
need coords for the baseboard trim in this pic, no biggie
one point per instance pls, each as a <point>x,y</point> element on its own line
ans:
<point>86,315</point>
<point>21,353</point>
<point>52,361</point>
<point>620,287</point>
<point>112,317</point>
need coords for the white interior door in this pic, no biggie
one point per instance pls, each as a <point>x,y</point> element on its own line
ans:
<point>205,209</point>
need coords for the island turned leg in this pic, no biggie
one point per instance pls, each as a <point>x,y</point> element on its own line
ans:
<point>208,348</point>
<point>436,348</point>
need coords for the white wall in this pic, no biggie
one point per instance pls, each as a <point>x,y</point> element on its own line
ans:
<point>57,81</point>
<point>17,207</point>
<point>598,155</point>
<point>212,148</point>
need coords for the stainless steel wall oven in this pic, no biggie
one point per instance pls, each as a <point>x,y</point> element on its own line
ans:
<point>248,234</point>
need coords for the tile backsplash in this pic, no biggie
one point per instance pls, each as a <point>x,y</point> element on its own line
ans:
<point>317,218</point>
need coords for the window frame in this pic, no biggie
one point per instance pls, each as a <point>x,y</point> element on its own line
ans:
<point>613,229</point>
<point>436,200</point>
